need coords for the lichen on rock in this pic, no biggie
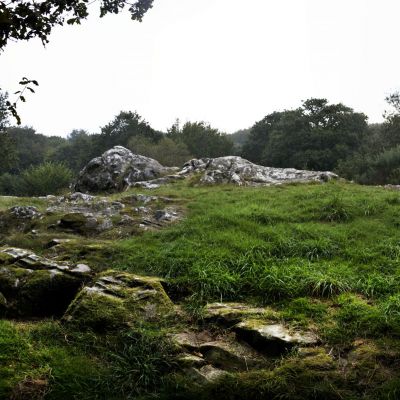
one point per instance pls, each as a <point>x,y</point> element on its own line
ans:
<point>116,170</point>
<point>238,171</point>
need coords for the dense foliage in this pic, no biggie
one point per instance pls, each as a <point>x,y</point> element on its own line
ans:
<point>323,136</point>
<point>315,136</point>
<point>25,20</point>
<point>201,139</point>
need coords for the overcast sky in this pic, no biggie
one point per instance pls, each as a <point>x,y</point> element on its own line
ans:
<point>227,62</point>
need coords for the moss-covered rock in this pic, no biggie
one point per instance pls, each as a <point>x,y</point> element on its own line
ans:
<point>205,375</point>
<point>18,218</point>
<point>84,223</point>
<point>3,305</point>
<point>118,300</point>
<point>369,364</point>
<point>231,355</point>
<point>312,375</point>
<point>34,286</point>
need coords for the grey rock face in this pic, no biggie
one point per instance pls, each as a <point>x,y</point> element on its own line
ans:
<point>116,170</point>
<point>25,212</point>
<point>239,171</point>
<point>205,375</point>
<point>272,338</point>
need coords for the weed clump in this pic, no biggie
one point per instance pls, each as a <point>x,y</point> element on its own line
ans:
<point>335,210</point>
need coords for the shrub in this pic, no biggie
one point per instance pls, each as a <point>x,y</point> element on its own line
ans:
<point>10,185</point>
<point>46,178</point>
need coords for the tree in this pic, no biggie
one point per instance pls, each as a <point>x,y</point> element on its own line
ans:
<point>239,138</point>
<point>391,126</point>
<point>31,148</point>
<point>8,154</point>
<point>201,139</point>
<point>125,126</point>
<point>3,111</point>
<point>377,161</point>
<point>28,19</point>
<point>315,136</point>
<point>77,150</point>
<point>167,151</point>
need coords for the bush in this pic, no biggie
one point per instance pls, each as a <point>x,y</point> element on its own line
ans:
<point>10,185</point>
<point>46,178</point>
<point>381,169</point>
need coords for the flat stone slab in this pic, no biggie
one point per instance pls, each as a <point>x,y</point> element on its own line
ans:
<point>231,355</point>
<point>205,375</point>
<point>191,340</point>
<point>187,360</point>
<point>273,339</point>
<point>231,313</point>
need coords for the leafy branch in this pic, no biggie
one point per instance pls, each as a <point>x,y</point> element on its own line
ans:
<point>11,107</point>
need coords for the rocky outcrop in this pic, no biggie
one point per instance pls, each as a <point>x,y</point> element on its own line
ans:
<point>222,352</point>
<point>34,286</point>
<point>83,223</point>
<point>25,212</point>
<point>236,170</point>
<point>21,218</point>
<point>116,170</point>
<point>258,327</point>
<point>89,215</point>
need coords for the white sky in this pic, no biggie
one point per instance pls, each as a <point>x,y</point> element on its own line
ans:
<point>227,62</point>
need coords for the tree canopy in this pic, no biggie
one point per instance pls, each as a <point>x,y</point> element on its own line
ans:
<point>28,19</point>
<point>315,136</point>
<point>201,139</point>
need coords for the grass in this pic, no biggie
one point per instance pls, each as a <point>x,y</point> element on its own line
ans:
<point>275,243</point>
<point>322,256</point>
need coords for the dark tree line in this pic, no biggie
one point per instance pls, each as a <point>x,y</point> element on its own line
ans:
<point>323,136</point>
<point>317,136</point>
<point>31,155</point>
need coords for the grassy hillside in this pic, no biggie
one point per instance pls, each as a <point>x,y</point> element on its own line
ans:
<point>322,257</point>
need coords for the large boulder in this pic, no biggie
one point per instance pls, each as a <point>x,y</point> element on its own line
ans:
<point>116,170</point>
<point>236,170</point>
